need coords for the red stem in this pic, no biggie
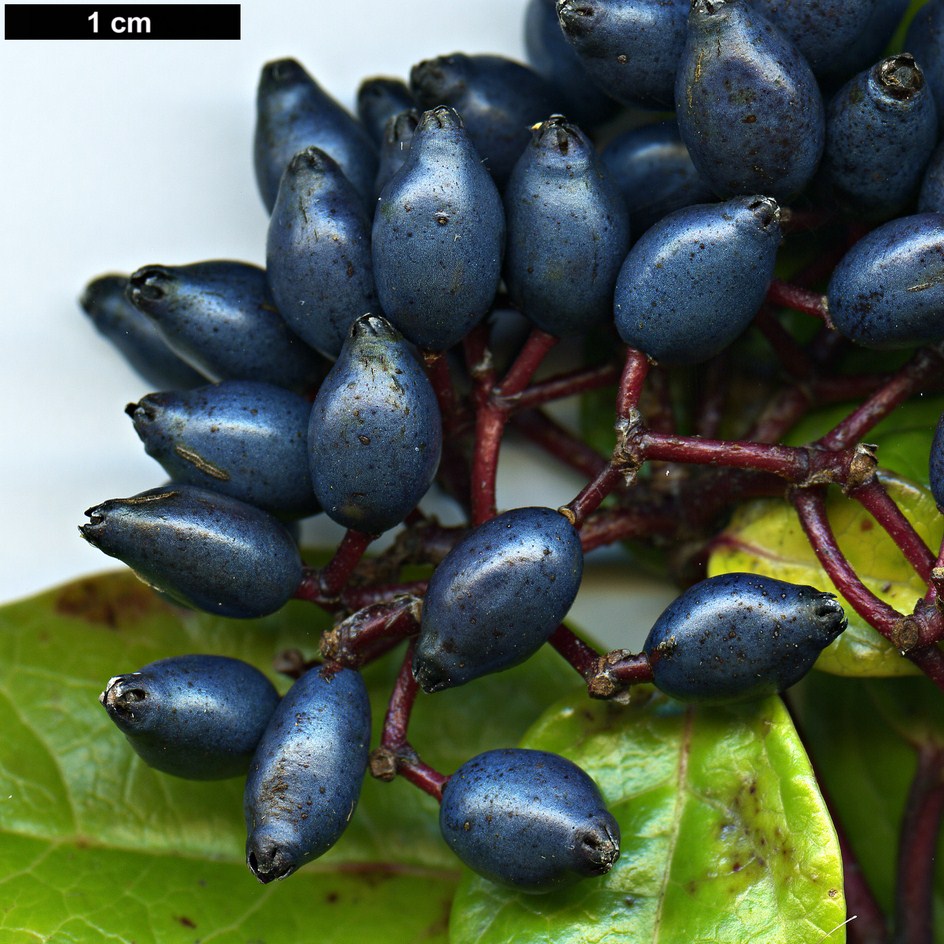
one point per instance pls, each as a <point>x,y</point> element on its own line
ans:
<point>712,403</point>
<point>901,385</point>
<point>565,385</point>
<point>437,369</point>
<point>619,524</point>
<point>786,461</point>
<point>338,570</point>
<point>583,657</point>
<point>793,358</point>
<point>400,706</point>
<point>799,299</point>
<point>356,598</point>
<point>371,632</point>
<point>914,895</point>
<point>489,426</point>
<point>635,370</point>
<point>811,507</point>
<point>537,346</point>
<point>491,416</point>
<point>660,417</point>
<point>593,494</point>
<point>393,739</point>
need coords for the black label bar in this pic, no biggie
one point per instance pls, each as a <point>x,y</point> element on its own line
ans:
<point>121,21</point>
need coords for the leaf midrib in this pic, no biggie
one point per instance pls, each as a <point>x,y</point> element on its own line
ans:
<point>681,788</point>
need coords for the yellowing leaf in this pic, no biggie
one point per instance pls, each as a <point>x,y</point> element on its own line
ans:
<point>725,837</point>
<point>765,537</point>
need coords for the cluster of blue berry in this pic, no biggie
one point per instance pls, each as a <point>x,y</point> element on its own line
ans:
<point>460,192</point>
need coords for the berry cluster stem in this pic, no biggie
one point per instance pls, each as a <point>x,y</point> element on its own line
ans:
<point>396,755</point>
<point>914,896</point>
<point>492,413</point>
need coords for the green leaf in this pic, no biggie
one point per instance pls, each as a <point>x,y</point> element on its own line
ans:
<point>725,837</point>
<point>94,845</point>
<point>765,537</point>
<point>863,735</point>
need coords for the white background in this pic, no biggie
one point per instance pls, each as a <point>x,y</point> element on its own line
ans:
<point>125,153</point>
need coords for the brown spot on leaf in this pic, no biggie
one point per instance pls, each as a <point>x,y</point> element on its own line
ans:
<point>117,602</point>
<point>184,921</point>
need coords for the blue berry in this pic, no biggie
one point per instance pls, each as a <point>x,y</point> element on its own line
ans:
<point>201,548</point>
<point>630,48</point>
<point>925,40</point>
<point>135,335</point>
<point>198,717</point>
<point>931,197</point>
<point>498,100</point>
<point>438,236</point>
<point>293,112</point>
<point>241,437</point>
<point>936,470</point>
<point>740,636</point>
<point>748,107</point>
<point>528,819</point>
<point>877,20</point>
<point>568,231</point>
<point>375,434</point>
<point>695,280</point>
<point>305,778</point>
<point>221,317</point>
<point>881,128</point>
<point>552,56</point>
<point>885,292</point>
<point>395,147</point>
<point>318,252</point>
<point>654,171</point>
<point>497,596</point>
<point>825,30</point>
<point>380,99</point>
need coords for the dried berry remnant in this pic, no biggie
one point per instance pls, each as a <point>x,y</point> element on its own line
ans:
<point>529,819</point>
<point>241,438</point>
<point>199,717</point>
<point>740,636</point>
<point>306,775</point>
<point>204,549</point>
<point>375,434</point>
<point>497,596</point>
<point>695,280</point>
